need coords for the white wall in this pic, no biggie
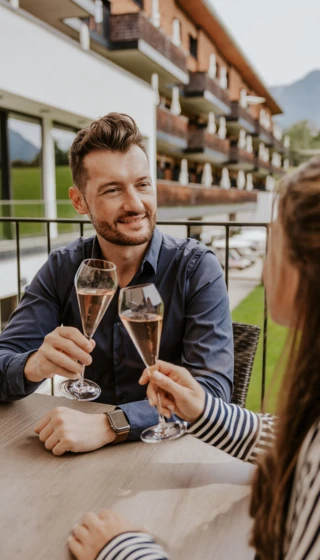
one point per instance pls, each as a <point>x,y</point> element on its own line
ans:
<point>42,65</point>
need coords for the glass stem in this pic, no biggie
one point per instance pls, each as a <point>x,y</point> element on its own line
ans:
<point>80,381</point>
<point>162,421</point>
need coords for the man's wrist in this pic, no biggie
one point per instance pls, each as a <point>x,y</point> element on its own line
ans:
<point>30,369</point>
<point>109,435</point>
<point>119,424</point>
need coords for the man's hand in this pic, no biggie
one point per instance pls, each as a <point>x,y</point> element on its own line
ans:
<point>64,429</point>
<point>64,352</point>
<point>179,392</point>
<point>95,532</point>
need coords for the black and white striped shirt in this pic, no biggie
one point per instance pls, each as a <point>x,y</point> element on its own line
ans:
<point>245,435</point>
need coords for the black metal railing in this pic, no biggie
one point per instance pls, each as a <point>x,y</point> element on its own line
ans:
<point>189,224</point>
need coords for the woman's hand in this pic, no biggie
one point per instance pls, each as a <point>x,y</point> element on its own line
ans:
<point>179,392</point>
<point>95,532</point>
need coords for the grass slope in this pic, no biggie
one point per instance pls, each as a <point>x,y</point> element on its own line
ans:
<point>250,310</point>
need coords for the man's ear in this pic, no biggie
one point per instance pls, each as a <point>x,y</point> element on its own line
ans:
<point>78,200</point>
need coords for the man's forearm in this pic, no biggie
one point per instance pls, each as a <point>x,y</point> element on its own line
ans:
<point>13,384</point>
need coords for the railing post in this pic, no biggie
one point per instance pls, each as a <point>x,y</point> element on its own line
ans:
<point>18,258</point>
<point>227,258</point>
<point>264,342</point>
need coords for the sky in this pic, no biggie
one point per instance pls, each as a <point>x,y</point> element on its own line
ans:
<point>281,38</point>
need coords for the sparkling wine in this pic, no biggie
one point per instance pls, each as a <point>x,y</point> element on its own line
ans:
<point>145,332</point>
<point>93,304</point>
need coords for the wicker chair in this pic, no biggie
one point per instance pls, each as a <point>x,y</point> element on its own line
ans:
<point>245,338</point>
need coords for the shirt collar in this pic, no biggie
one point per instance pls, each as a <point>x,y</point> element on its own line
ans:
<point>151,256</point>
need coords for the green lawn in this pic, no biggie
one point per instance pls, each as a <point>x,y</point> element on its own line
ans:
<point>250,311</point>
<point>26,185</point>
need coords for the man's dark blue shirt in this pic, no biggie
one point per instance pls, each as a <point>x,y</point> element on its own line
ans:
<point>197,329</point>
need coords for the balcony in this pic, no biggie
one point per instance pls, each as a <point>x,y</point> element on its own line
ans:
<point>241,118</point>
<point>172,131</point>
<point>172,194</point>
<point>143,49</point>
<point>241,159</point>
<point>202,95</point>
<point>266,168</point>
<point>205,147</point>
<point>277,144</point>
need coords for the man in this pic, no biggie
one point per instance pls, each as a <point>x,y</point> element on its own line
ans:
<point>112,185</point>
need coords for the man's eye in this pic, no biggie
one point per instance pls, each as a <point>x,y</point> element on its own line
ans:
<point>144,185</point>
<point>110,191</point>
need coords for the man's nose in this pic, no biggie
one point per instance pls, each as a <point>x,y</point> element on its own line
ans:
<point>133,202</point>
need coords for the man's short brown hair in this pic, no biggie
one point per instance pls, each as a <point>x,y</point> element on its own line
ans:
<point>116,132</point>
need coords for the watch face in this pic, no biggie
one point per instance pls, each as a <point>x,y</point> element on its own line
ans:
<point>119,421</point>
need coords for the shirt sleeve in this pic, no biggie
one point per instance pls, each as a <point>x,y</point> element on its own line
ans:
<point>140,416</point>
<point>304,530</point>
<point>235,430</point>
<point>208,336</point>
<point>36,316</point>
<point>132,546</point>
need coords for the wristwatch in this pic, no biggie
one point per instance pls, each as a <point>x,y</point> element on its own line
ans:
<point>119,423</point>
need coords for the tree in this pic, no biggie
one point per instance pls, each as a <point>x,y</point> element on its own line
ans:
<point>60,155</point>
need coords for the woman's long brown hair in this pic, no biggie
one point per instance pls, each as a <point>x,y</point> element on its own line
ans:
<point>299,397</point>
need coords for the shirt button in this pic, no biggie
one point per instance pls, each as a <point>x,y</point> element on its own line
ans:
<point>119,324</point>
<point>116,362</point>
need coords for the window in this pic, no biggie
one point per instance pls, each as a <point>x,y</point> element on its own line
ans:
<point>25,158</point>
<point>193,46</point>
<point>63,138</point>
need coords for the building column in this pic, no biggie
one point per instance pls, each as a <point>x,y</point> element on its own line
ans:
<point>5,174</point>
<point>49,175</point>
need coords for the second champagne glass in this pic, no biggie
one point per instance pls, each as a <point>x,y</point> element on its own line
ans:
<point>95,283</point>
<point>141,312</point>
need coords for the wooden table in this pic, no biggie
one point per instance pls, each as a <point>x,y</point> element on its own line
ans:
<point>192,497</point>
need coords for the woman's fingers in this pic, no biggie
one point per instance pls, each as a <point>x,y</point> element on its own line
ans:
<point>75,547</point>
<point>80,532</point>
<point>168,385</point>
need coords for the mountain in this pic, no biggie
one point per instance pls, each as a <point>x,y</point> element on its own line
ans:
<point>299,100</point>
<point>20,148</point>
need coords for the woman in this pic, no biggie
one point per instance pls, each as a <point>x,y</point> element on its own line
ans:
<point>285,501</point>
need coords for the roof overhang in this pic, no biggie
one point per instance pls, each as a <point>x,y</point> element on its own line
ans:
<point>204,15</point>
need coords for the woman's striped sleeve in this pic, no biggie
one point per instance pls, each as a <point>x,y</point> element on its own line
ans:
<point>233,429</point>
<point>304,538</point>
<point>132,546</point>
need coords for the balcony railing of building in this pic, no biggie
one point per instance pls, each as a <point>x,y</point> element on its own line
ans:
<point>263,165</point>
<point>172,193</point>
<point>200,139</point>
<point>173,125</point>
<point>278,144</point>
<point>241,156</point>
<point>228,226</point>
<point>200,83</point>
<point>243,117</point>
<point>125,30</point>
<point>265,135</point>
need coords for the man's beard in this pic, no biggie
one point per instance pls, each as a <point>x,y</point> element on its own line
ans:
<point>110,233</point>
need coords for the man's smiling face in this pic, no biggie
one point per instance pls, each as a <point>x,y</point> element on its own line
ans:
<point>119,197</point>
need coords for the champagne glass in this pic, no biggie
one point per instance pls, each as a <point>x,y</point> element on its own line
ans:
<point>95,283</point>
<point>141,312</point>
